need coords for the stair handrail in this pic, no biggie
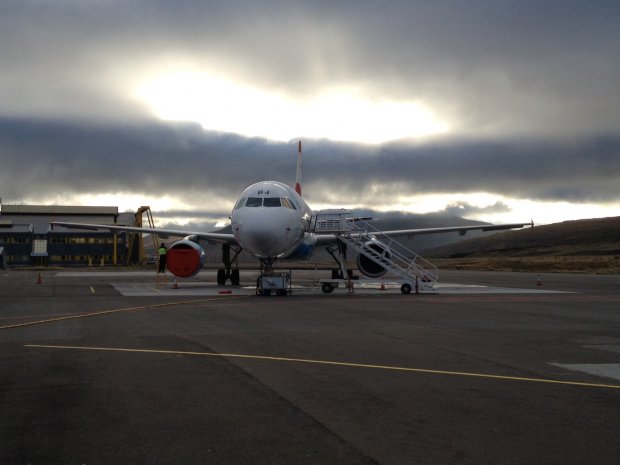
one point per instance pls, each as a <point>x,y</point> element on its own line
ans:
<point>402,258</point>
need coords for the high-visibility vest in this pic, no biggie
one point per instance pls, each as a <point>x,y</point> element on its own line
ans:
<point>162,251</point>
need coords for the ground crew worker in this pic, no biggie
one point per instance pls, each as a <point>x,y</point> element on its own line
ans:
<point>162,259</point>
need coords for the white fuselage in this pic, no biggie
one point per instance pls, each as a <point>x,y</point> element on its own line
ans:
<point>271,220</point>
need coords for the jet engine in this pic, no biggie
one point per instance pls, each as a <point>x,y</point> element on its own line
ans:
<point>367,266</point>
<point>185,258</point>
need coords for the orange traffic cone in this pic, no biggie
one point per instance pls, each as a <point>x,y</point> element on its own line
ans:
<point>175,285</point>
<point>382,288</point>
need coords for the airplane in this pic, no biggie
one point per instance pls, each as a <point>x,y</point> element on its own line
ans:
<point>272,221</point>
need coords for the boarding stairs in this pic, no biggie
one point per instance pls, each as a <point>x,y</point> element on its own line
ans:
<point>400,262</point>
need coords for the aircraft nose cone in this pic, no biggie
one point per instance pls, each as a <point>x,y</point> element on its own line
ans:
<point>261,239</point>
<point>266,232</point>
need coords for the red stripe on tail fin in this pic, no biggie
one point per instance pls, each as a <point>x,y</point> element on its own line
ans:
<point>298,176</point>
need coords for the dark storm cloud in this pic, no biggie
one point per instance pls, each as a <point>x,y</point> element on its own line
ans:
<point>577,170</point>
<point>153,158</point>
<point>45,158</point>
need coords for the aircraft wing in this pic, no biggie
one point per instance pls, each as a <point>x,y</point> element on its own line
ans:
<point>221,238</point>
<point>462,230</point>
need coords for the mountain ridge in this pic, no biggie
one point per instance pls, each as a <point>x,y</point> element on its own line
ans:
<point>588,245</point>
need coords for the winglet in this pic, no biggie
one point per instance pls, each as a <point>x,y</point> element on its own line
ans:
<point>298,176</point>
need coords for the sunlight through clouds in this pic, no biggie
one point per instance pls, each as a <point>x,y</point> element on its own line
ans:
<point>342,113</point>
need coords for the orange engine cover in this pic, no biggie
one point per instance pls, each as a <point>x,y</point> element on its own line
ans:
<point>185,258</point>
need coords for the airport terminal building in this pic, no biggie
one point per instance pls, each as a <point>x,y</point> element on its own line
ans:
<point>26,237</point>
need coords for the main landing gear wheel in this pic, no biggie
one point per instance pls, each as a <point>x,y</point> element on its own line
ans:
<point>405,288</point>
<point>234,277</point>
<point>221,277</point>
<point>327,288</point>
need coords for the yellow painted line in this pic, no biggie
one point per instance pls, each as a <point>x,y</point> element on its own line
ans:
<point>22,317</point>
<point>116,310</point>
<point>332,363</point>
<point>92,289</point>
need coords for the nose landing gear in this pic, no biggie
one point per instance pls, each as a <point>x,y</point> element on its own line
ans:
<point>269,282</point>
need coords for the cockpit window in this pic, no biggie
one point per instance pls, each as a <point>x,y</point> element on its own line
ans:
<point>266,202</point>
<point>288,203</point>
<point>272,202</point>
<point>254,202</point>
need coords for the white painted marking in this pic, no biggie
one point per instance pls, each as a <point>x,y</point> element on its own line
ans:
<point>450,288</point>
<point>605,370</point>
<point>185,289</point>
<point>207,286</point>
<point>197,288</point>
<point>101,274</point>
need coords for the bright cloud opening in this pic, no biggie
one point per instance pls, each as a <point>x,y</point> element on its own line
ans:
<point>479,206</point>
<point>338,113</point>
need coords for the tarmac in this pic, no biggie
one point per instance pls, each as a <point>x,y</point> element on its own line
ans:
<point>105,367</point>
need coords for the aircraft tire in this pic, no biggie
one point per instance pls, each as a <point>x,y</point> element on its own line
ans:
<point>235,278</point>
<point>327,288</point>
<point>221,277</point>
<point>405,288</point>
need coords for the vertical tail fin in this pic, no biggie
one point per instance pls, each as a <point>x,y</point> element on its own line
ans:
<point>298,176</point>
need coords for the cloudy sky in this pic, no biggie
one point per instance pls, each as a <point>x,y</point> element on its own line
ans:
<point>493,110</point>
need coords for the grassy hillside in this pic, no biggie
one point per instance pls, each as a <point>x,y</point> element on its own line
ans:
<point>579,246</point>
